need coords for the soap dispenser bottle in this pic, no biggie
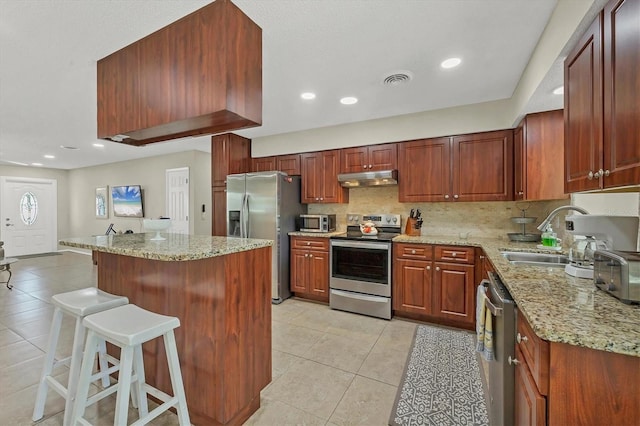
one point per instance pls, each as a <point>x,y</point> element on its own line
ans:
<point>549,238</point>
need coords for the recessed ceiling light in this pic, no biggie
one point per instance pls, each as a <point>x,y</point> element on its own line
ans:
<point>559,90</point>
<point>36,164</point>
<point>49,156</point>
<point>308,95</point>
<point>98,145</point>
<point>450,63</point>
<point>348,100</point>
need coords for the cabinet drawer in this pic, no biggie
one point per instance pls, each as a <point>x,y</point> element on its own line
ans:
<point>535,352</point>
<point>455,254</point>
<point>310,243</point>
<point>413,251</point>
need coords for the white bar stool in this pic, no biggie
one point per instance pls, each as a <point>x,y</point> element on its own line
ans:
<point>129,327</point>
<point>78,304</point>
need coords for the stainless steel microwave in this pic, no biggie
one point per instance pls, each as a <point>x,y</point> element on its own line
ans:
<point>316,222</point>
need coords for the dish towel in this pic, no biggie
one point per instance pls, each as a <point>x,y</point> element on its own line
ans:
<point>484,326</point>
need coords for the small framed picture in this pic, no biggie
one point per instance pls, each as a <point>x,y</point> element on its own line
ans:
<point>102,202</point>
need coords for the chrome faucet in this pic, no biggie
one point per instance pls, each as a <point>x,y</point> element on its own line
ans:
<point>553,214</point>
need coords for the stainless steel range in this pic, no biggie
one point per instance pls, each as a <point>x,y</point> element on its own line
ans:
<point>360,265</point>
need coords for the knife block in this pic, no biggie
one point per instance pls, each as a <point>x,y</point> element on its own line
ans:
<point>410,227</point>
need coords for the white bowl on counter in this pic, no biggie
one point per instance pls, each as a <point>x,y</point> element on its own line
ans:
<point>156,225</point>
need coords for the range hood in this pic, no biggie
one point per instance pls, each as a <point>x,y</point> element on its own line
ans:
<point>376,178</point>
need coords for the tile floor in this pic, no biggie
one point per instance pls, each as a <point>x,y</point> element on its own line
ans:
<point>329,367</point>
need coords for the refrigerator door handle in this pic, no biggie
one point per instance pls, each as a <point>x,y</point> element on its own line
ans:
<point>245,207</point>
<point>242,216</point>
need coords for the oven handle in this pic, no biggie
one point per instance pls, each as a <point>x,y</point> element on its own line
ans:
<point>360,296</point>
<point>360,244</point>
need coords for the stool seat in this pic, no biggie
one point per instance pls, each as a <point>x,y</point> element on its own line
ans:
<point>130,325</point>
<point>87,301</point>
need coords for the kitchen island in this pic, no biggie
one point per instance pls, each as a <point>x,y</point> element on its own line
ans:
<point>220,289</point>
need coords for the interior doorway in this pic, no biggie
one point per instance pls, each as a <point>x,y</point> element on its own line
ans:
<point>177,199</point>
<point>28,211</point>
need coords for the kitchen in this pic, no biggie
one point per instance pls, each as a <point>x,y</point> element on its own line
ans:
<point>489,219</point>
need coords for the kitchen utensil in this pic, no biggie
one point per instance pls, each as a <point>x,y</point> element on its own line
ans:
<point>411,214</point>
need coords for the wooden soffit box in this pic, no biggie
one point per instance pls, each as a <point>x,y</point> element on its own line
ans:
<point>199,75</point>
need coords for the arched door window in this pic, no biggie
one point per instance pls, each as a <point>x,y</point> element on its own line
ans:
<point>28,208</point>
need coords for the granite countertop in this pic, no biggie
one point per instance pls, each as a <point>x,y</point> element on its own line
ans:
<point>176,247</point>
<point>316,234</point>
<point>560,308</point>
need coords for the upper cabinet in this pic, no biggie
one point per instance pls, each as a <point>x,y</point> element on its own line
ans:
<point>538,146</point>
<point>320,178</point>
<point>290,164</point>
<point>602,88</point>
<point>230,154</point>
<point>201,74</point>
<point>369,158</point>
<point>475,167</point>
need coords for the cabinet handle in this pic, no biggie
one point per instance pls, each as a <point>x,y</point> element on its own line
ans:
<point>311,255</point>
<point>370,166</point>
<point>513,361</point>
<point>606,172</point>
<point>456,196</point>
<point>481,257</point>
<point>428,268</point>
<point>446,196</point>
<point>520,338</point>
<point>321,199</point>
<point>364,166</point>
<point>590,175</point>
<point>437,268</point>
<point>413,252</point>
<point>317,199</point>
<point>453,254</point>
<point>520,192</point>
<point>306,255</point>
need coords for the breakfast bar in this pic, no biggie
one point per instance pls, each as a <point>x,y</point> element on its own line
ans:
<point>219,288</point>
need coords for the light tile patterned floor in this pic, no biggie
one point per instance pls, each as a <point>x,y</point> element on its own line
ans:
<point>329,367</point>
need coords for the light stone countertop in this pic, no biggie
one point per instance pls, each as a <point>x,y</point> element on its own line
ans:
<point>560,308</point>
<point>316,234</point>
<point>176,247</point>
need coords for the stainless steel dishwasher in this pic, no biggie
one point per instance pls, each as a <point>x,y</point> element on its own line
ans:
<point>501,369</point>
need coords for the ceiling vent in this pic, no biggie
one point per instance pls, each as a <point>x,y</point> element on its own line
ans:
<point>397,78</point>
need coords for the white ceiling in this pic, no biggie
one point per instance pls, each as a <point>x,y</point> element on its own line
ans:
<point>336,48</point>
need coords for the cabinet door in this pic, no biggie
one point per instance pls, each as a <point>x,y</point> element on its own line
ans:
<point>219,159</point>
<point>319,273</point>
<point>290,164</point>
<point>299,270</point>
<point>424,170</point>
<point>263,164</point>
<point>354,160</point>
<point>331,191</point>
<point>412,286</point>
<point>311,177</point>
<point>454,294</point>
<point>219,219</point>
<point>519,163</point>
<point>530,406</point>
<point>622,93</point>
<point>383,157</point>
<point>482,166</point>
<point>583,111</point>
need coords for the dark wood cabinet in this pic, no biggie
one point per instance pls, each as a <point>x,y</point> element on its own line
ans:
<point>476,167</point>
<point>290,164</point>
<point>310,268</point>
<point>538,147</point>
<point>602,87</point>
<point>230,154</point>
<point>369,158</point>
<point>201,74</point>
<point>482,166</point>
<point>320,178</point>
<point>412,279</point>
<point>434,283</point>
<point>530,405</point>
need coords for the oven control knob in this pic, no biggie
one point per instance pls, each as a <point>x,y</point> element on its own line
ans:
<point>395,220</point>
<point>388,220</point>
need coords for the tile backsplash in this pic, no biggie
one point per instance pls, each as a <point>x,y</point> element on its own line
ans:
<point>479,219</point>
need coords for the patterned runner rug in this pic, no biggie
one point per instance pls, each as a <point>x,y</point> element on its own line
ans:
<point>441,384</point>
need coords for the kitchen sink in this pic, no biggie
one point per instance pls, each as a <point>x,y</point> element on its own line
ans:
<point>535,259</point>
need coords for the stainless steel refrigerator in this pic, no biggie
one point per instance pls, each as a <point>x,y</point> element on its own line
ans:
<point>265,205</point>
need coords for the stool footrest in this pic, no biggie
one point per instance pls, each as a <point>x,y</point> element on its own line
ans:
<point>156,412</point>
<point>56,386</point>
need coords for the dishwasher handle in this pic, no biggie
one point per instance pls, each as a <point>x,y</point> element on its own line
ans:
<point>495,310</point>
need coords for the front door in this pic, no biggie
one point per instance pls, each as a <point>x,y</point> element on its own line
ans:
<point>28,211</point>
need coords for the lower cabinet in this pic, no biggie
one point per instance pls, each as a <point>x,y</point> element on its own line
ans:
<point>435,283</point>
<point>530,404</point>
<point>310,268</point>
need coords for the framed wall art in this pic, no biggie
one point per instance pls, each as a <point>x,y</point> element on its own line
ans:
<point>102,202</point>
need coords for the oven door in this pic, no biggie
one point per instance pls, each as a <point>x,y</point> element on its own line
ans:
<point>362,266</point>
